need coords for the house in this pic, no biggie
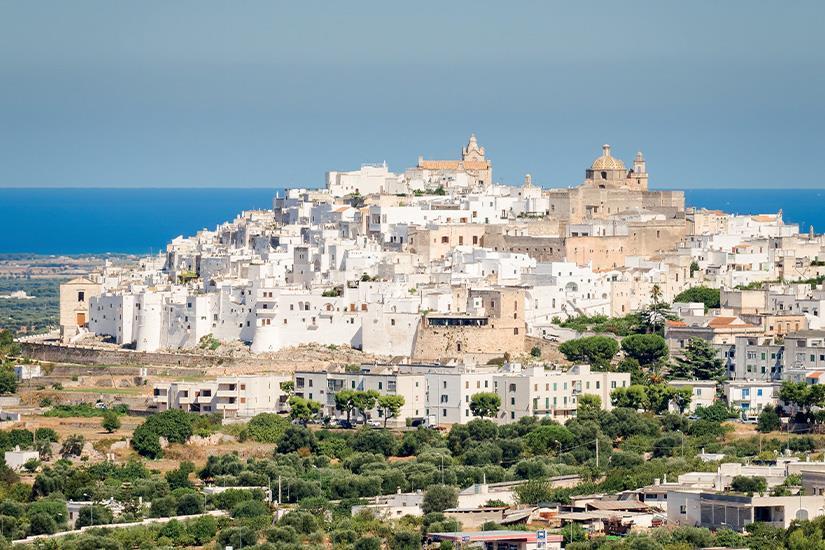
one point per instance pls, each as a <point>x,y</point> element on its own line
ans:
<point>751,396</point>
<point>234,396</point>
<point>702,393</point>
<point>501,540</point>
<point>735,511</point>
<point>393,506</point>
<point>16,459</point>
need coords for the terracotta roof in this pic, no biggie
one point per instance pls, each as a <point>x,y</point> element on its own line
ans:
<point>721,321</point>
<point>676,323</point>
<point>454,164</point>
<point>764,218</point>
<point>342,209</point>
<point>816,374</point>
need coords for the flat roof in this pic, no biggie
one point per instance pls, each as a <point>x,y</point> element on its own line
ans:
<point>483,536</point>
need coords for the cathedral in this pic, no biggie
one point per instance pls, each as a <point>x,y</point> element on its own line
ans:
<point>608,172</point>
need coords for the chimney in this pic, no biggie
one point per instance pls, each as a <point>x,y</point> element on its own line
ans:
<point>657,481</point>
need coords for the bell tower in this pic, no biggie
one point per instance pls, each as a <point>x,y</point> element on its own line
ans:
<point>638,175</point>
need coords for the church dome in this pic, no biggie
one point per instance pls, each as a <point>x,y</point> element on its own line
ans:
<point>606,161</point>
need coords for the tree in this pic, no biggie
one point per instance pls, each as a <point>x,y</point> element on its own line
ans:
<point>694,267</point>
<point>344,403</point>
<point>659,397</point>
<point>594,350</point>
<point>42,523</point>
<point>535,352</point>
<point>111,421</point>
<point>287,386</point>
<point>746,484</point>
<point>202,529</point>
<point>703,294</point>
<point>8,381</point>
<point>238,537</point>
<point>266,427</point>
<point>589,403</point>
<point>295,438</point>
<point>146,442</point>
<point>93,515</point>
<point>365,401</point>
<point>652,318</point>
<point>438,498</point>
<point>485,404</point>
<point>681,398</point>
<point>647,349</point>
<point>769,420</point>
<point>804,397</point>
<point>175,425</point>
<point>368,439</point>
<point>631,397</point>
<point>548,437</point>
<point>179,477</point>
<point>390,405</point>
<point>367,543</point>
<point>189,504</point>
<point>700,362</point>
<point>72,446</point>
<point>303,410</point>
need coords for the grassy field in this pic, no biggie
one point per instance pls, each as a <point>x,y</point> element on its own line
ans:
<point>35,314</point>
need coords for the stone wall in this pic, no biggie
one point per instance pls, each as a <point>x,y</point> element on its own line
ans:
<point>85,355</point>
<point>476,343</point>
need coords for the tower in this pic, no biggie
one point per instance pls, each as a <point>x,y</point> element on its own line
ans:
<point>472,151</point>
<point>639,173</point>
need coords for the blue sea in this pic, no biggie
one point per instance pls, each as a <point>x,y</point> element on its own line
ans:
<point>140,221</point>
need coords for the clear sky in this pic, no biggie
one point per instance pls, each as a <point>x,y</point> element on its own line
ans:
<point>273,94</point>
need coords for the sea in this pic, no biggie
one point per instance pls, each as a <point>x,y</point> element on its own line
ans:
<point>51,221</point>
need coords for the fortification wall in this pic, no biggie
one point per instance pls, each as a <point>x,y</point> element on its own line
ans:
<point>84,355</point>
<point>478,343</point>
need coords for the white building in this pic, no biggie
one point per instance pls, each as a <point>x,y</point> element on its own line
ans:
<point>233,396</point>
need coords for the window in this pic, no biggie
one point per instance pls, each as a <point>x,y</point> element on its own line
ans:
<point>81,296</point>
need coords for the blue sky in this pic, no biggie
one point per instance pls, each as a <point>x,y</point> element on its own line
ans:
<point>269,94</point>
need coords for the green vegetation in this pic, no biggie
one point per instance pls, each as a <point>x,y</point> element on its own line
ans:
<point>324,472</point>
<point>485,404</point>
<point>36,314</point>
<point>769,420</point>
<point>111,421</point>
<point>708,296</point>
<point>620,326</point>
<point>86,410</point>
<point>595,350</point>
<point>700,362</point>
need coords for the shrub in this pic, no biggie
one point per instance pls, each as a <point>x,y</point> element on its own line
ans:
<point>438,498</point>
<point>146,442</point>
<point>267,427</point>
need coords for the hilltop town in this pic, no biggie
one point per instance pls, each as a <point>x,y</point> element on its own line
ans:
<point>431,358</point>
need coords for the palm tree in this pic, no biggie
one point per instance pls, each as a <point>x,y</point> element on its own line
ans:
<point>656,294</point>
